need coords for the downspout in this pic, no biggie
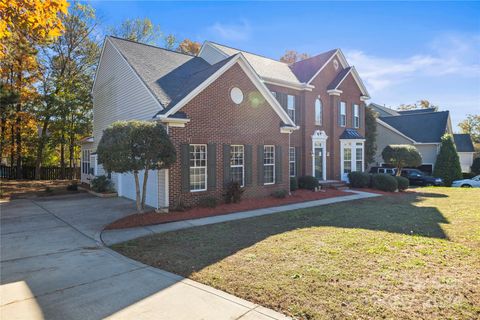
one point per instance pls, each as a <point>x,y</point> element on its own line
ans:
<point>288,153</point>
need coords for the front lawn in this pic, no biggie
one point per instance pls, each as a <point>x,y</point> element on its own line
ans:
<point>409,256</point>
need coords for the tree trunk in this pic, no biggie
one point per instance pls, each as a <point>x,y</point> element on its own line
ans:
<point>71,150</point>
<point>3,128</point>
<point>144,191</point>
<point>137,192</point>
<point>40,147</point>
<point>62,157</point>
<point>12,144</point>
<point>18,138</point>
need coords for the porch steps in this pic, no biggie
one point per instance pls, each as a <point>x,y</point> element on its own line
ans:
<point>333,184</point>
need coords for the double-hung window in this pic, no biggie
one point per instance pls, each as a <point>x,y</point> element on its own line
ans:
<point>198,167</point>
<point>359,157</point>
<point>343,114</point>
<point>291,162</point>
<point>356,116</point>
<point>318,112</point>
<point>291,106</point>
<point>268,164</point>
<point>237,161</point>
<point>347,159</point>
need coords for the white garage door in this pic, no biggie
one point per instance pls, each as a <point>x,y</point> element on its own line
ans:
<point>126,187</point>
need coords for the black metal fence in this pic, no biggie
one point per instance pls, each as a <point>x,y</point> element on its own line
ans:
<point>46,173</point>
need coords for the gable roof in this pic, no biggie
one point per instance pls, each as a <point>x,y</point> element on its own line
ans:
<point>463,142</point>
<point>342,75</point>
<point>420,127</point>
<point>417,111</point>
<point>306,69</point>
<point>164,72</point>
<point>266,68</point>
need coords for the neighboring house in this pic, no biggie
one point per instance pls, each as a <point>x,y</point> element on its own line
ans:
<point>465,150</point>
<point>232,115</point>
<point>422,128</point>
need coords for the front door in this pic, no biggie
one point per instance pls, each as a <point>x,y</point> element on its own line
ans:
<point>318,163</point>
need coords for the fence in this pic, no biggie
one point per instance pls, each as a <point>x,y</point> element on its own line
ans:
<point>46,173</point>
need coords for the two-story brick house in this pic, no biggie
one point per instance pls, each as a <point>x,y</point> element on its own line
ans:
<point>232,115</point>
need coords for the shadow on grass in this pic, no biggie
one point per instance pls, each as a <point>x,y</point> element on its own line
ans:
<point>191,250</point>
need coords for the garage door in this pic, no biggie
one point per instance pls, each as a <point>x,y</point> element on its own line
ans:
<point>126,187</point>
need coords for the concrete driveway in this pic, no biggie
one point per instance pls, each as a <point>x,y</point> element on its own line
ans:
<point>54,267</point>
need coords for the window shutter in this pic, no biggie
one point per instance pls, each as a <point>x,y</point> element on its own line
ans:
<point>248,165</point>
<point>282,99</point>
<point>260,165</point>
<point>298,169</point>
<point>212,165</point>
<point>226,164</point>
<point>278,165</point>
<point>353,115</point>
<point>339,114</point>
<point>185,164</point>
<point>360,115</point>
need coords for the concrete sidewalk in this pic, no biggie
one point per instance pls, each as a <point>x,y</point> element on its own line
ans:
<point>110,237</point>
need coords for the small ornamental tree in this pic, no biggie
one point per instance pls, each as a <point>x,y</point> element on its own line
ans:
<point>401,156</point>
<point>447,165</point>
<point>132,146</point>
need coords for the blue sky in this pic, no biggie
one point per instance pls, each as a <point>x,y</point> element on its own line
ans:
<point>403,51</point>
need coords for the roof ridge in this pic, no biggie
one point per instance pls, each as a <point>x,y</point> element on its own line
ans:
<point>336,49</point>
<point>255,54</point>
<point>420,113</point>
<point>153,46</point>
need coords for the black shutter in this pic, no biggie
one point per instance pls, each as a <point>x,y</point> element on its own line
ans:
<point>339,114</point>
<point>282,99</point>
<point>260,165</point>
<point>212,165</point>
<point>360,115</point>
<point>298,164</point>
<point>185,163</point>
<point>226,164</point>
<point>278,165</point>
<point>248,165</point>
<point>353,115</point>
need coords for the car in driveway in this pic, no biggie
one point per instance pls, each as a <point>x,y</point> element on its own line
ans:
<point>417,177</point>
<point>467,183</point>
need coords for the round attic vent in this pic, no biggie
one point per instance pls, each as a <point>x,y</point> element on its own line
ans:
<point>335,64</point>
<point>237,95</point>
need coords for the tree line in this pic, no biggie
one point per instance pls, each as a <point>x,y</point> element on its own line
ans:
<point>49,53</point>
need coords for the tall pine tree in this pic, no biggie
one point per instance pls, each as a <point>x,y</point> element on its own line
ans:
<point>447,166</point>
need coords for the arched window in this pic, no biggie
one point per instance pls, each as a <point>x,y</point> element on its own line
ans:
<point>318,112</point>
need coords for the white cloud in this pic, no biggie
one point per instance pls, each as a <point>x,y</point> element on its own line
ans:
<point>451,55</point>
<point>230,32</point>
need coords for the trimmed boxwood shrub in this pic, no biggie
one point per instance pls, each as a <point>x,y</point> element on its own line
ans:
<point>359,179</point>
<point>233,192</point>
<point>308,182</point>
<point>102,184</point>
<point>208,202</point>
<point>402,182</point>
<point>384,182</point>
<point>293,183</point>
<point>279,194</point>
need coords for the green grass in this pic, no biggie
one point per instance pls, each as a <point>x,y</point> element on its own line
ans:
<point>406,256</point>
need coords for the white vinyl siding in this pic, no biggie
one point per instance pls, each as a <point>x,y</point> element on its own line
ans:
<point>118,94</point>
<point>211,55</point>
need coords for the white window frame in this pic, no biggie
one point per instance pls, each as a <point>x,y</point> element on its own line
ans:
<point>343,114</point>
<point>86,160</point>
<point>292,160</point>
<point>318,112</point>
<point>197,167</point>
<point>232,151</point>
<point>359,146</point>
<point>272,164</point>
<point>356,116</point>
<point>291,106</point>
<point>352,145</point>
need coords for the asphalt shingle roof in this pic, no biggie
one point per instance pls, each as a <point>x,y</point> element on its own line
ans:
<point>338,79</point>
<point>427,110</point>
<point>421,127</point>
<point>351,134</point>
<point>265,67</point>
<point>382,110</point>
<point>463,142</point>
<point>163,71</point>
<point>306,69</point>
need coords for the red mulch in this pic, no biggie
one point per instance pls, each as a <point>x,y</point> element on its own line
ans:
<point>151,218</point>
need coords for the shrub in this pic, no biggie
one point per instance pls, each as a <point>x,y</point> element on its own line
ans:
<point>179,205</point>
<point>402,182</point>
<point>73,186</point>
<point>102,184</point>
<point>447,166</point>
<point>359,179</point>
<point>293,183</point>
<point>308,182</point>
<point>280,194</point>
<point>233,192</point>
<point>476,166</point>
<point>384,182</point>
<point>208,202</point>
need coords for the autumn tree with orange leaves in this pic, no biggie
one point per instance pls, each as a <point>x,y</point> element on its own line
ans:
<point>190,47</point>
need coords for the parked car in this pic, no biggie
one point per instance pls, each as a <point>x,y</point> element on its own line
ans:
<point>391,171</point>
<point>467,183</point>
<point>417,177</point>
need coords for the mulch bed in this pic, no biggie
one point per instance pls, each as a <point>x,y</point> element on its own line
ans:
<point>151,218</point>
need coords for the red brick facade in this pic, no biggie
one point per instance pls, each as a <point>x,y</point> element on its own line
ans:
<point>216,119</point>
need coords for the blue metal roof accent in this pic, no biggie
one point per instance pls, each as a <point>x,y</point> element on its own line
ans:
<point>351,134</point>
